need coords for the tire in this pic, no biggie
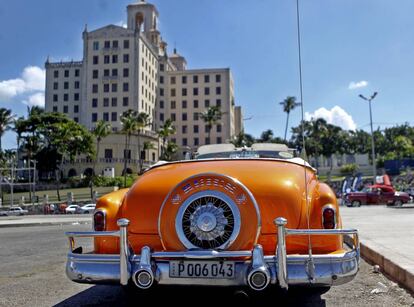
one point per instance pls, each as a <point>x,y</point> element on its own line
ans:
<point>356,203</point>
<point>398,203</point>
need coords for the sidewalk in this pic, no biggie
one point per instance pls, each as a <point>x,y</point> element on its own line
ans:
<point>44,220</point>
<point>387,238</point>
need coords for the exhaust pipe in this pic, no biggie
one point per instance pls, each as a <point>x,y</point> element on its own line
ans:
<point>259,276</point>
<point>144,276</point>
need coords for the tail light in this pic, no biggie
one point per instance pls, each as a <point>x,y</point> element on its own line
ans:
<point>329,217</point>
<point>99,221</point>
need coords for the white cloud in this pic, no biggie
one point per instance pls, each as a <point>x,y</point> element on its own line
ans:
<point>336,116</point>
<point>122,24</point>
<point>354,85</point>
<point>37,100</point>
<point>33,79</point>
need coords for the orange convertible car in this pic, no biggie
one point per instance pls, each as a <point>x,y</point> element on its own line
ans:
<point>250,217</point>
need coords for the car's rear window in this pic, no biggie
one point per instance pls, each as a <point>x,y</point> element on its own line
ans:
<point>247,154</point>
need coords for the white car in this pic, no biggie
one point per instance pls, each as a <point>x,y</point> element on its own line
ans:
<point>89,208</point>
<point>13,211</point>
<point>71,209</point>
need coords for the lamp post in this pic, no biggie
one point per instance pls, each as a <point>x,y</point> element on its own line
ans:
<point>374,169</point>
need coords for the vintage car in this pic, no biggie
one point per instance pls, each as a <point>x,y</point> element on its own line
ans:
<point>248,217</point>
<point>375,195</point>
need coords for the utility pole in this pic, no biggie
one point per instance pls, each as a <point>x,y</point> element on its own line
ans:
<point>374,168</point>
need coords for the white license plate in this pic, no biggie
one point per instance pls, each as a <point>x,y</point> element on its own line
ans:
<point>202,269</point>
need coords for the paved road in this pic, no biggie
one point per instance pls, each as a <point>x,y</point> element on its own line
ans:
<point>32,274</point>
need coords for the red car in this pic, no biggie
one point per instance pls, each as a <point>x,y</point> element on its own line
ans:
<point>377,194</point>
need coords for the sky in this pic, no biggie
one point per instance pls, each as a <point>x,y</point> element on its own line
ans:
<point>349,47</point>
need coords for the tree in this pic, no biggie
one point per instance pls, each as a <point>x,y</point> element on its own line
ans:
<point>288,105</point>
<point>101,131</point>
<point>170,150</point>
<point>129,126</point>
<point>20,127</point>
<point>266,136</point>
<point>166,131</point>
<point>6,119</point>
<point>242,139</point>
<point>210,117</point>
<point>143,121</point>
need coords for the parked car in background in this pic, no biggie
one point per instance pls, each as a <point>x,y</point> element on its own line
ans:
<point>376,195</point>
<point>71,209</point>
<point>232,217</point>
<point>14,211</point>
<point>86,209</point>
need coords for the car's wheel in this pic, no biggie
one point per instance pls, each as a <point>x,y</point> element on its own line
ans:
<point>398,203</point>
<point>356,203</point>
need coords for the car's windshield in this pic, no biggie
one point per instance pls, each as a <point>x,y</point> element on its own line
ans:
<point>247,154</point>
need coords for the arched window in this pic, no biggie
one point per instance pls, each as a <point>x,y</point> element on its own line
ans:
<point>139,21</point>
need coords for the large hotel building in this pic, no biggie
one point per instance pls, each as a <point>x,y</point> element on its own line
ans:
<point>130,68</point>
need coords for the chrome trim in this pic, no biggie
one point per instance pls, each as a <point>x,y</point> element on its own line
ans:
<point>93,218</point>
<point>202,254</point>
<point>206,193</point>
<point>258,266</point>
<point>329,206</point>
<point>124,264</point>
<point>282,274</point>
<point>144,267</point>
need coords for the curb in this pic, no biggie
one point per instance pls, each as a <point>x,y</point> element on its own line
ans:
<point>43,224</point>
<point>389,268</point>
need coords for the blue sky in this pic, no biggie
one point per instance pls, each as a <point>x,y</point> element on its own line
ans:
<point>369,43</point>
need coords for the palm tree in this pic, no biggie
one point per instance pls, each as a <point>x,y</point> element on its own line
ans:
<point>288,105</point>
<point>143,121</point>
<point>129,126</point>
<point>101,131</point>
<point>6,119</point>
<point>170,150</point>
<point>20,126</point>
<point>210,117</point>
<point>166,130</point>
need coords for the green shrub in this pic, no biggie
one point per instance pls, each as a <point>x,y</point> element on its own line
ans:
<point>101,181</point>
<point>349,169</point>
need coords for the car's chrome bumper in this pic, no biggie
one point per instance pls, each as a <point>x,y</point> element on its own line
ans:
<point>281,269</point>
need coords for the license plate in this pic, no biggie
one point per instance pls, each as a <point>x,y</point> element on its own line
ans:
<point>202,269</point>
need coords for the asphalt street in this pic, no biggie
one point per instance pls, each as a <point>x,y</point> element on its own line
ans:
<point>32,273</point>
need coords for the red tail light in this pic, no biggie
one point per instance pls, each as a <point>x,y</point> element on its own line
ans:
<point>329,218</point>
<point>99,221</point>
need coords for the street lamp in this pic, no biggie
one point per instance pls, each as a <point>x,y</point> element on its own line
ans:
<point>374,169</point>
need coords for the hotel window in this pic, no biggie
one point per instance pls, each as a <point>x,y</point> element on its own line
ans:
<point>66,73</point>
<point>106,102</point>
<point>218,140</point>
<point>196,142</point>
<point>106,72</point>
<point>106,59</point>
<point>95,60</point>
<point>173,118</point>
<point>206,79</point>
<point>218,128</point>
<point>55,85</point>
<point>115,44</point>
<point>184,92</point>
<point>206,91</point>
<point>206,129</point>
<point>126,72</point>
<point>114,87</point>
<point>184,104</point>
<point>94,88</point>
<point>195,116</point>
<point>125,87</point>
<point>161,92</point>
<point>107,44</point>
<point>184,116</point>
<point>114,102</point>
<point>126,44</point>
<point>195,91</point>
<point>161,104</point>
<point>127,153</point>
<point>94,117</point>
<point>162,117</point>
<point>66,85</point>
<point>76,96</point>
<point>218,102</point>
<point>184,141</point>
<point>108,154</point>
<point>126,58</point>
<point>55,109</point>
<point>172,80</point>
<point>162,68</point>
<point>106,88</point>
<point>76,72</point>
<point>161,79</point>
<point>65,97</point>
<point>56,74</point>
<point>95,45</point>
<point>55,98</point>
<point>195,104</point>
<point>76,120</point>
<point>106,116</point>
<point>218,90</point>
<point>184,79</point>
<point>184,129</point>
<point>76,109</point>
<point>195,129</point>
<point>115,72</point>
<point>77,84</point>
<point>173,106</point>
<point>195,79</point>
<point>206,103</point>
<point>114,116</point>
<point>218,78</point>
<point>114,58</point>
<point>65,109</point>
<point>125,101</point>
<point>173,92</point>
<point>94,103</point>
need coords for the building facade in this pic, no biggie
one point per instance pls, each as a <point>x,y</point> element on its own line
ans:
<point>130,68</point>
